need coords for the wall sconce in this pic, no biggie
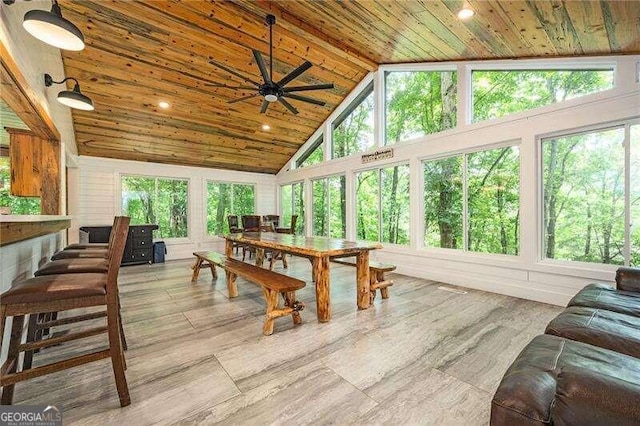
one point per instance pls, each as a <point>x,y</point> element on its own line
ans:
<point>71,98</point>
<point>53,29</point>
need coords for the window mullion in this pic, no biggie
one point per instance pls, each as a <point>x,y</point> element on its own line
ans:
<point>380,205</point>
<point>465,207</point>
<point>627,195</point>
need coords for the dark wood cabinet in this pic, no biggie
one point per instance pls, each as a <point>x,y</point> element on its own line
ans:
<point>139,248</point>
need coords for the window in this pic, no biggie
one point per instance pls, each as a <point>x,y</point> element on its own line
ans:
<point>160,201</point>
<point>314,155</point>
<point>329,207</point>
<point>15,205</point>
<point>353,129</point>
<point>292,200</point>
<point>224,199</point>
<point>584,196</point>
<point>491,181</point>
<point>382,210</point>
<point>500,93</point>
<point>443,203</point>
<point>419,103</point>
<point>493,199</point>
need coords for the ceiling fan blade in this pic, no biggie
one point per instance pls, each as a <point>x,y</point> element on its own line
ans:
<point>265,105</point>
<point>304,88</point>
<point>304,99</point>
<point>288,105</point>
<point>230,87</point>
<point>244,98</point>
<point>263,69</point>
<point>233,72</point>
<point>295,73</point>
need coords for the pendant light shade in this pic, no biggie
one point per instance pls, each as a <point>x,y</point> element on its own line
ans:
<point>71,98</point>
<point>53,29</point>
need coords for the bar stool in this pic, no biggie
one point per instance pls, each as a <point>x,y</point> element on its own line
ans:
<point>54,293</point>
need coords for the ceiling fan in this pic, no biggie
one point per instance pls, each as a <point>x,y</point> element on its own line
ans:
<point>271,90</point>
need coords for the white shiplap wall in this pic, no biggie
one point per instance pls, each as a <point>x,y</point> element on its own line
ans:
<point>97,181</point>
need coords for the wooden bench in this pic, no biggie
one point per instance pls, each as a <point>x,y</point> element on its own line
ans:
<point>272,283</point>
<point>376,276</point>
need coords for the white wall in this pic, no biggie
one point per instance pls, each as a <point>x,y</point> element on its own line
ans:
<point>99,195</point>
<point>526,275</point>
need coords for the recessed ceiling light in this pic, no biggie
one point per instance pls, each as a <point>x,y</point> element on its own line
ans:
<point>466,13</point>
<point>163,104</point>
<point>266,127</point>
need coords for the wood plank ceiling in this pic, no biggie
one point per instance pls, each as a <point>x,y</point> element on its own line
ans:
<point>142,52</point>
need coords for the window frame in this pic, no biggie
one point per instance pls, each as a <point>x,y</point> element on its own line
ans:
<point>464,251</point>
<point>600,127</point>
<point>173,240</point>
<point>414,68</point>
<point>206,200</point>
<point>317,143</point>
<point>368,89</point>
<point>378,169</point>
<point>534,65</point>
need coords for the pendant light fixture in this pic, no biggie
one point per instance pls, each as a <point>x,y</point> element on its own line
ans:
<point>71,98</point>
<point>53,29</point>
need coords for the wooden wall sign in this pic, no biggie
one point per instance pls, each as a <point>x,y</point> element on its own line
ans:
<point>379,154</point>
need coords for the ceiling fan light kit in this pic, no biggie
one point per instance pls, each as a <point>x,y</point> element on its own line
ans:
<point>270,90</point>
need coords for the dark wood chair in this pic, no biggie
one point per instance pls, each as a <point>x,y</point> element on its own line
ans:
<point>87,252</point>
<point>291,229</point>
<point>234,227</point>
<point>55,293</point>
<point>90,246</point>
<point>272,218</point>
<point>251,223</point>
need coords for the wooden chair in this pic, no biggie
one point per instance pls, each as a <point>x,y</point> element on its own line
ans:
<point>234,227</point>
<point>291,229</point>
<point>91,246</point>
<point>54,293</point>
<point>272,218</point>
<point>250,223</point>
<point>87,252</point>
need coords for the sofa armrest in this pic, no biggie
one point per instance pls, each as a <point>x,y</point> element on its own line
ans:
<point>628,279</point>
<point>586,397</point>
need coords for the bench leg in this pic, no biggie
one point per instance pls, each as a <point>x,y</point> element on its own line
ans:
<point>272,304</point>
<point>384,291</point>
<point>373,279</point>
<point>290,301</point>
<point>196,269</point>
<point>214,273</point>
<point>231,284</point>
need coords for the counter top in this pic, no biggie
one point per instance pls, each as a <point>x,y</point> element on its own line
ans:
<point>23,218</point>
<point>15,228</point>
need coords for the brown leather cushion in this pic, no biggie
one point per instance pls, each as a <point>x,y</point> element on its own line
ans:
<point>55,287</point>
<point>74,266</point>
<point>598,327</point>
<point>78,254</point>
<point>528,388</point>
<point>602,296</point>
<point>100,246</point>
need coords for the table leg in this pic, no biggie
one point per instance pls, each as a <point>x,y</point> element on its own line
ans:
<point>323,299</point>
<point>228,248</point>
<point>362,279</point>
<point>259,256</point>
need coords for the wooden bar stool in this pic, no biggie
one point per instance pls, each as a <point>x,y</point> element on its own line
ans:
<point>54,293</point>
<point>99,251</point>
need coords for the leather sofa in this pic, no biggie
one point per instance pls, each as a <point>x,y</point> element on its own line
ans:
<point>585,369</point>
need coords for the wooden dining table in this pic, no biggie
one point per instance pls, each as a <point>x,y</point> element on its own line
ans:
<point>319,250</point>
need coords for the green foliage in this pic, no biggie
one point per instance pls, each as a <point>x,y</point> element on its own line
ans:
<point>419,103</point>
<point>382,197</point>
<point>18,205</point>
<point>292,200</point>
<point>224,199</point>
<point>443,203</point>
<point>635,195</point>
<point>315,157</point>
<point>355,133</point>
<point>583,178</point>
<point>164,202</point>
<point>329,206</point>
<point>493,200</point>
<point>499,93</point>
